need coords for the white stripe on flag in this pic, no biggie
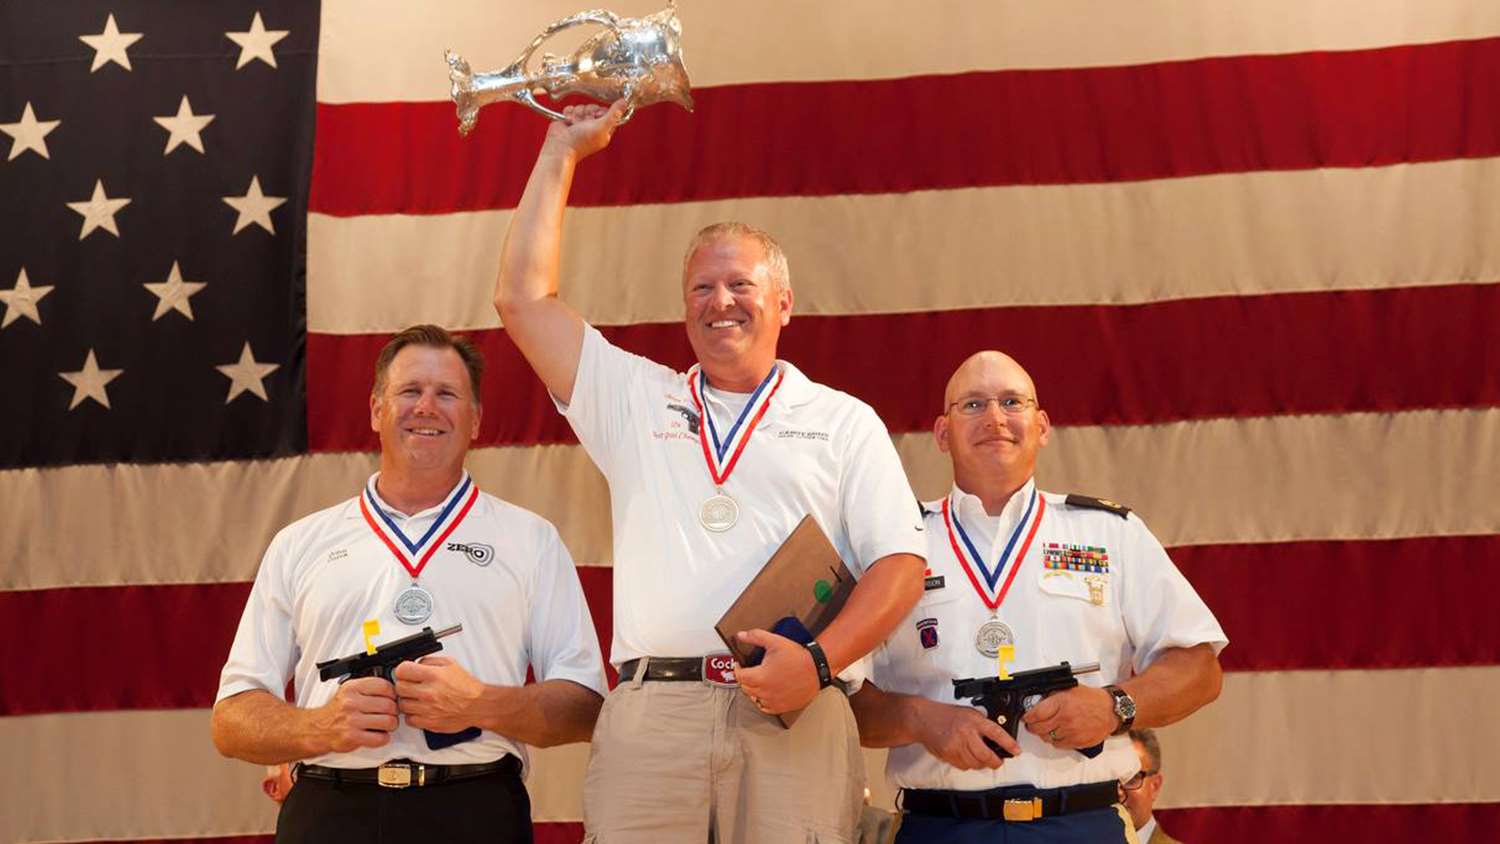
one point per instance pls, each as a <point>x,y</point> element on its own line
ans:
<point>1120,243</point>
<point>388,50</point>
<point>1273,737</point>
<point>1294,478</point>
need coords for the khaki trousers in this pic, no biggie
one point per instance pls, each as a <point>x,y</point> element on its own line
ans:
<point>693,762</point>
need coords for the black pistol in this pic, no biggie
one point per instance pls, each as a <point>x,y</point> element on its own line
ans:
<point>1005,701</point>
<point>382,663</point>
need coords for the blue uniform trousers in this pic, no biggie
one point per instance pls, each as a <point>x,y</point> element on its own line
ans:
<point>1098,826</point>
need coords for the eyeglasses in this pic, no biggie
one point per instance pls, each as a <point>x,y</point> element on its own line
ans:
<point>977,405</point>
<point>1138,780</point>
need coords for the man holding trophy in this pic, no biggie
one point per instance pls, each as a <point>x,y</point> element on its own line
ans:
<point>709,472</point>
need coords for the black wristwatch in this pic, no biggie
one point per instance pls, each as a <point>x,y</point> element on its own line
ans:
<point>1124,708</point>
<point>820,661</point>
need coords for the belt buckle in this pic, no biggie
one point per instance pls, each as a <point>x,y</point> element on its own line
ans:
<point>399,774</point>
<point>718,670</point>
<point>1023,810</point>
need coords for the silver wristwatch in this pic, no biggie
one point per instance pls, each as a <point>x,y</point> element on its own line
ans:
<point>1124,708</point>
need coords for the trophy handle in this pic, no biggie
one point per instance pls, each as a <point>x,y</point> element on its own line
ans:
<point>526,98</point>
<point>629,97</point>
<point>601,17</point>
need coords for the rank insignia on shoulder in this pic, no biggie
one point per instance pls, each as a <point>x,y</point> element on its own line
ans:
<point>1098,504</point>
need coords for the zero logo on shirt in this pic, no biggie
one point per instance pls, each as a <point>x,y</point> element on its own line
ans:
<point>478,553</point>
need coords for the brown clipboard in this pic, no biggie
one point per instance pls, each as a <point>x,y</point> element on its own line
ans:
<point>805,578</point>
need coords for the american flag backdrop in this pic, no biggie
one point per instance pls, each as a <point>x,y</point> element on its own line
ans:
<point>1249,251</point>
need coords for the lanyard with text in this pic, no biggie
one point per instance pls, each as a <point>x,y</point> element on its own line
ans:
<point>720,512</point>
<point>414,604</point>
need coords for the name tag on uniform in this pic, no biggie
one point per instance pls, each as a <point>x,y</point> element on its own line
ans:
<point>934,582</point>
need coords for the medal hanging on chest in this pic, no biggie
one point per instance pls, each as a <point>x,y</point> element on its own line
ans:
<point>994,637</point>
<point>719,512</point>
<point>414,604</point>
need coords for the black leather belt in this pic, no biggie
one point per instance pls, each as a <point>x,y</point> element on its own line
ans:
<point>714,669</point>
<point>1011,803</point>
<point>676,669</point>
<point>403,773</point>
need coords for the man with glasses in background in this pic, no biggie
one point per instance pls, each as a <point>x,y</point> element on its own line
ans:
<point>1022,579</point>
<point>1140,791</point>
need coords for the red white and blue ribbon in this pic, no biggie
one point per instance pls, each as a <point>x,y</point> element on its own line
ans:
<point>986,579</point>
<point>726,449</point>
<point>414,555</point>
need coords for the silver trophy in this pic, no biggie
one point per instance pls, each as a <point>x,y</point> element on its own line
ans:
<point>637,59</point>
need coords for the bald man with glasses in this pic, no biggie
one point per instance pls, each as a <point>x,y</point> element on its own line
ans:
<point>1022,579</point>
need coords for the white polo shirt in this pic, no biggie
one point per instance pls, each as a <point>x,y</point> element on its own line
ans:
<point>816,451</point>
<point>1092,587</point>
<point>502,572</point>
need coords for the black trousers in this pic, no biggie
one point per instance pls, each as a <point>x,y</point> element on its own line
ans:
<point>493,809</point>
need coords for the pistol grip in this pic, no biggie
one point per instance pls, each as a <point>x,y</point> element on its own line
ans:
<point>1007,706</point>
<point>999,751</point>
<point>1091,752</point>
<point>438,741</point>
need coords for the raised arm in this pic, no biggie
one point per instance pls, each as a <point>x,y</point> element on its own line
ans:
<point>547,331</point>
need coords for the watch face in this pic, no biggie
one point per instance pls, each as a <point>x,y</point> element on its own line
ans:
<point>1124,704</point>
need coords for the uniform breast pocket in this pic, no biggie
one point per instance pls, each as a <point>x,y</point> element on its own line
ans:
<point>935,620</point>
<point>1092,588</point>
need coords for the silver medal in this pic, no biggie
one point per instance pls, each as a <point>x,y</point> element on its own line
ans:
<point>414,605</point>
<point>991,636</point>
<point>719,513</point>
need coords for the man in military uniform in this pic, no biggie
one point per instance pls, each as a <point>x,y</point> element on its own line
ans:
<point>1023,579</point>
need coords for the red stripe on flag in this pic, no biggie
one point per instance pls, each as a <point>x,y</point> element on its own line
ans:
<point>1364,822</point>
<point>1220,824</point>
<point>165,649</point>
<point>1107,124</point>
<point>118,647</point>
<point>1329,605</point>
<point>1226,356</point>
<point>1295,605</point>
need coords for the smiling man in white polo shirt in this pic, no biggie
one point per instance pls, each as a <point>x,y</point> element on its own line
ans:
<point>419,546</point>
<point>709,471</point>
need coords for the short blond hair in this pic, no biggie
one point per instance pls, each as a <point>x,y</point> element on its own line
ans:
<point>775,259</point>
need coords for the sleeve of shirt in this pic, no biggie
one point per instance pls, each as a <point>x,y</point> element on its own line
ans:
<point>606,383</point>
<point>881,515</point>
<point>264,652</point>
<point>1161,609</point>
<point>563,643</point>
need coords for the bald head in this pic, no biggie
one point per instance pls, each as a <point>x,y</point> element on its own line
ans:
<point>982,370</point>
<point>991,427</point>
